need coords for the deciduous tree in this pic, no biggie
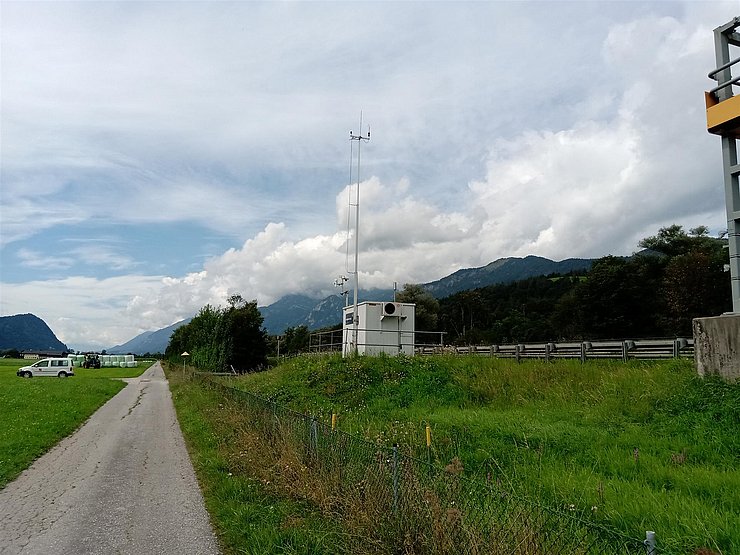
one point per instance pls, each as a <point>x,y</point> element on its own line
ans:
<point>427,307</point>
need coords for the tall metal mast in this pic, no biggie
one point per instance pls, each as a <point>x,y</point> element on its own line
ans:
<point>355,318</point>
<point>723,118</point>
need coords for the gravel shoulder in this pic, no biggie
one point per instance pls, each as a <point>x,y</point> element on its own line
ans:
<point>123,483</point>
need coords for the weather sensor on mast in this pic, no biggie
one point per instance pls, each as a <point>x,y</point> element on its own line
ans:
<point>339,282</point>
<point>359,138</point>
<point>386,327</point>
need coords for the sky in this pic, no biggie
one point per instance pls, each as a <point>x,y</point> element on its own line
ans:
<point>156,157</point>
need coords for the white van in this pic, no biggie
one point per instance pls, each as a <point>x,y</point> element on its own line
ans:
<point>59,367</point>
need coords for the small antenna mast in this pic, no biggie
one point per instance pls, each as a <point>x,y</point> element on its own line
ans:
<point>355,318</point>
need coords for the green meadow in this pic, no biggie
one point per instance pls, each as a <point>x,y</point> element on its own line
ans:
<point>636,446</point>
<point>36,413</point>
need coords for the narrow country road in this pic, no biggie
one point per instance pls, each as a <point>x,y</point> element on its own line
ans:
<point>122,484</point>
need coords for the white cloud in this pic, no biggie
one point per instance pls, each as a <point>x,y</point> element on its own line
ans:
<point>101,255</point>
<point>84,255</point>
<point>487,143</point>
<point>34,259</point>
<point>110,104</point>
<point>84,313</point>
<point>554,193</point>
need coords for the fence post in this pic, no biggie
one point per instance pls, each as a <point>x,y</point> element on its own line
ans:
<point>395,478</point>
<point>678,344</point>
<point>314,438</point>
<point>429,444</point>
<point>518,354</point>
<point>547,352</point>
<point>650,543</point>
<point>624,351</point>
<point>275,420</point>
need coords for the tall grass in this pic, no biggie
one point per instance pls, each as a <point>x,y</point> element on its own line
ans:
<point>238,480</point>
<point>642,445</point>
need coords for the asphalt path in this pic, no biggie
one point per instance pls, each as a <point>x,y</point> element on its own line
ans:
<point>122,484</point>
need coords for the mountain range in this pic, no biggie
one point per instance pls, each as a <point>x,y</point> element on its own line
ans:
<point>149,341</point>
<point>503,270</point>
<point>301,310</point>
<point>26,332</point>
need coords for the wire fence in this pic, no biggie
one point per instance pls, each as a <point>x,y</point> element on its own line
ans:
<point>405,505</point>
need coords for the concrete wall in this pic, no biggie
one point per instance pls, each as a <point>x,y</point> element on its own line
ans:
<point>717,346</point>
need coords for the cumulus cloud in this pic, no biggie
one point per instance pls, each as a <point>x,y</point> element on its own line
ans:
<point>110,105</point>
<point>601,184</point>
<point>402,238</point>
<point>469,160</point>
<point>587,190</point>
<point>101,301</point>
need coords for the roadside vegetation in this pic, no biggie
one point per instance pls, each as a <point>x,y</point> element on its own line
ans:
<point>637,446</point>
<point>35,414</point>
<point>680,276</point>
<point>223,339</point>
<point>249,515</point>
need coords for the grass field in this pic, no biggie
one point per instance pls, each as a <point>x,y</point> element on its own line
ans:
<point>35,414</point>
<point>249,516</point>
<point>643,445</point>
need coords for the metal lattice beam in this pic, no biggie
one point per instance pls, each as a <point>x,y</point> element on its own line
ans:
<point>721,101</point>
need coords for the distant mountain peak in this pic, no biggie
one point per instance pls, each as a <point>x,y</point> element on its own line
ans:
<point>28,332</point>
<point>300,310</point>
<point>149,341</point>
<point>303,310</point>
<point>503,270</point>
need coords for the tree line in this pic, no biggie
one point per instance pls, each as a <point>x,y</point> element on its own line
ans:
<point>222,339</point>
<point>655,293</point>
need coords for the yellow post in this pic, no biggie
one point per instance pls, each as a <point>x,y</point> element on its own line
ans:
<point>429,445</point>
<point>333,421</point>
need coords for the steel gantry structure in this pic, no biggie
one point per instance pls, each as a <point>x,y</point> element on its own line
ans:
<point>723,119</point>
